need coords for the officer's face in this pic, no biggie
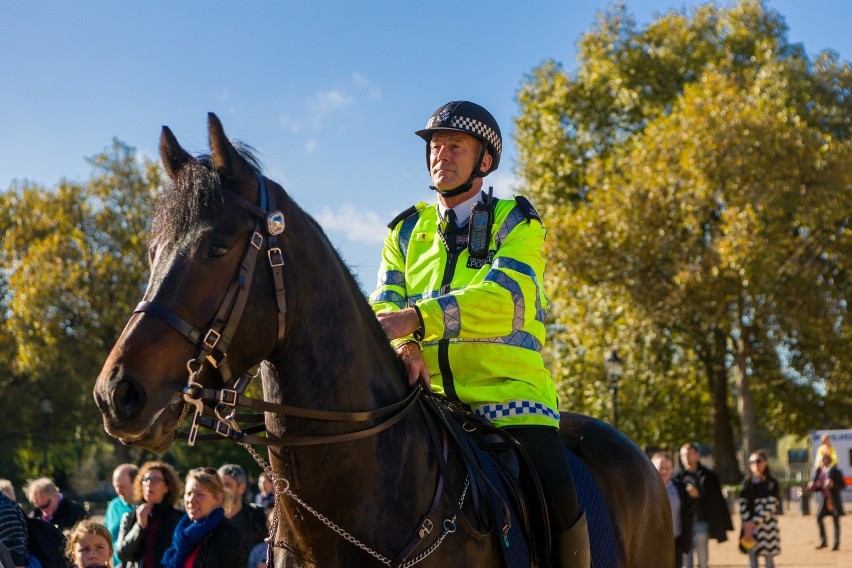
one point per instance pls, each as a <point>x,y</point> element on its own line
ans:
<point>451,158</point>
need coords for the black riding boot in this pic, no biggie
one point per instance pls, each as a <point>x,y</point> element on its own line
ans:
<point>571,549</point>
<point>548,454</point>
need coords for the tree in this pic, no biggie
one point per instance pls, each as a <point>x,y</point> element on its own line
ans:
<point>73,261</point>
<point>72,267</point>
<point>698,169</point>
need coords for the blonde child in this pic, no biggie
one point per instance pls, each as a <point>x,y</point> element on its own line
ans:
<point>825,447</point>
<point>90,545</point>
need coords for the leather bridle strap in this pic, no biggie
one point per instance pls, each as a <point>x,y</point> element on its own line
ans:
<point>217,339</point>
<point>395,411</point>
<point>230,397</point>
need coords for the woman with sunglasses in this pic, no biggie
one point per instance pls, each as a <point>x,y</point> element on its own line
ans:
<point>146,533</point>
<point>204,538</point>
<point>759,501</point>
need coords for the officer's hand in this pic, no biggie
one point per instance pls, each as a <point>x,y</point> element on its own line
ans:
<point>401,323</point>
<point>415,365</point>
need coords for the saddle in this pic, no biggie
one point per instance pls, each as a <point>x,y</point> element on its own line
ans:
<point>504,486</point>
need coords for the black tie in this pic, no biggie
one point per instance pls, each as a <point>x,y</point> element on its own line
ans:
<point>451,220</point>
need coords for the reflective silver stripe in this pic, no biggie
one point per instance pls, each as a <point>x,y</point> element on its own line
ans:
<point>390,296</point>
<point>513,219</point>
<point>405,233</point>
<point>515,408</point>
<point>391,278</point>
<point>452,316</point>
<point>521,339</point>
<point>525,269</point>
<point>504,281</point>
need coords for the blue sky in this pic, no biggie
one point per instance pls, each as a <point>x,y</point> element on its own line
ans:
<point>328,92</point>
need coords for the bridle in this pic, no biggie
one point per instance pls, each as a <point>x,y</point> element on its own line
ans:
<point>216,408</point>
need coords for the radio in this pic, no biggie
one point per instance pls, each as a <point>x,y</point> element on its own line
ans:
<point>479,228</point>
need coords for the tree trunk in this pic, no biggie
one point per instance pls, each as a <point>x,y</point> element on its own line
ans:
<point>723,435</point>
<point>745,402</point>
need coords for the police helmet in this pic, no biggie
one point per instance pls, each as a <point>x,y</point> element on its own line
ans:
<point>469,118</point>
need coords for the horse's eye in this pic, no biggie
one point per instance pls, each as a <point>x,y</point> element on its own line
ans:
<point>216,251</point>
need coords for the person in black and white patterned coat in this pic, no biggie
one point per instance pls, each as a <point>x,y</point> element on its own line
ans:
<point>759,501</point>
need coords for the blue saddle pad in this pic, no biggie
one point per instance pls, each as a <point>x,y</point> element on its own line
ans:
<point>591,499</point>
<point>516,552</point>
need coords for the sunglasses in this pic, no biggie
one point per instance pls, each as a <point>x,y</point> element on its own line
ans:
<point>152,479</point>
<point>46,504</point>
<point>756,460</point>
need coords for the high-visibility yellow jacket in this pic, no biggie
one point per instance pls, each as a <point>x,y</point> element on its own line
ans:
<point>483,319</point>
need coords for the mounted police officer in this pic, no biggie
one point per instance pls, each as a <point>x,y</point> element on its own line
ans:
<point>460,295</point>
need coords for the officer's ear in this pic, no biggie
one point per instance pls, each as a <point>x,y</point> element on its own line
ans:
<point>486,163</point>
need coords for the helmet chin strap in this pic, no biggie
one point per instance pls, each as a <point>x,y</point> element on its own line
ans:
<point>465,187</point>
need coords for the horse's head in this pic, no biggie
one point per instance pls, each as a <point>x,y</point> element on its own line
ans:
<point>210,244</point>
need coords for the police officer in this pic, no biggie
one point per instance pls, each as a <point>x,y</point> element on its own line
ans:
<point>460,295</point>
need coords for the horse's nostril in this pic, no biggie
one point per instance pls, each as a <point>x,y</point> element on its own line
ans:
<point>127,399</point>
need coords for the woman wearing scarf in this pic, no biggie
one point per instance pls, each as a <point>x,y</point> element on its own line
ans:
<point>205,538</point>
<point>144,534</point>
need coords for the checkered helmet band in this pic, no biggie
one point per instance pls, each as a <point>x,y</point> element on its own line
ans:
<point>470,118</point>
<point>469,124</point>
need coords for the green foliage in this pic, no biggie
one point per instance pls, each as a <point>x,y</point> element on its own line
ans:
<point>695,174</point>
<point>73,263</point>
<point>72,267</point>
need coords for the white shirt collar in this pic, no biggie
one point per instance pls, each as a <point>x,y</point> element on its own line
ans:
<point>462,210</point>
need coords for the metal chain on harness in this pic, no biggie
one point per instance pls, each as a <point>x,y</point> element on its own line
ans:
<point>218,337</point>
<point>281,486</point>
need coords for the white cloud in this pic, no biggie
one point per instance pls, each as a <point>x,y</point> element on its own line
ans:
<point>291,124</point>
<point>365,85</point>
<point>359,225</point>
<point>311,145</point>
<point>327,103</point>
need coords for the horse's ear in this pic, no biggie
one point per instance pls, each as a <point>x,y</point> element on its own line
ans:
<point>226,159</point>
<point>173,156</point>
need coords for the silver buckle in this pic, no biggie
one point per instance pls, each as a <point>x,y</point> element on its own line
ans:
<point>211,339</point>
<point>279,257</point>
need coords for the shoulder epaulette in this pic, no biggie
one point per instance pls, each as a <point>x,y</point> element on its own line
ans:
<point>410,211</point>
<point>526,208</point>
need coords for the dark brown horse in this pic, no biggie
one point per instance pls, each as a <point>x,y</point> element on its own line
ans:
<point>239,275</point>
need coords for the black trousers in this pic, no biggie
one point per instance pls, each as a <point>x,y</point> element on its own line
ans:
<point>545,448</point>
<point>823,513</point>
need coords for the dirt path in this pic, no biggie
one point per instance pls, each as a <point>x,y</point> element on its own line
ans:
<point>799,538</point>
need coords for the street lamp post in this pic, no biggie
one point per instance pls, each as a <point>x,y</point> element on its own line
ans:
<point>614,366</point>
<point>45,407</point>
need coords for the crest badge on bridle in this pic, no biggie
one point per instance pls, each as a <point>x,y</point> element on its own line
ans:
<point>275,223</point>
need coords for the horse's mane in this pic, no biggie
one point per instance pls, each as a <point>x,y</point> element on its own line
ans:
<point>195,193</point>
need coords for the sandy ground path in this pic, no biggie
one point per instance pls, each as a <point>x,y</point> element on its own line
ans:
<point>799,539</point>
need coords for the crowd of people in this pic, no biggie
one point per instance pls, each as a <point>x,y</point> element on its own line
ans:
<point>700,511</point>
<point>157,519</point>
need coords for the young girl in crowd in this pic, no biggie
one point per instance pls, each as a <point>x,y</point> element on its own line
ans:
<point>90,545</point>
<point>204,538</point>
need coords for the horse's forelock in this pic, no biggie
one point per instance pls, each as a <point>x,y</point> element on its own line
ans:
<point>192,196</point>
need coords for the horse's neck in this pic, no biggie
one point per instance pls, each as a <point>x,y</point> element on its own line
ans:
<point>339,359</point>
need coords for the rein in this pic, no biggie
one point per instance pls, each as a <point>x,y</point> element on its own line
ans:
<point>216,408</point>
